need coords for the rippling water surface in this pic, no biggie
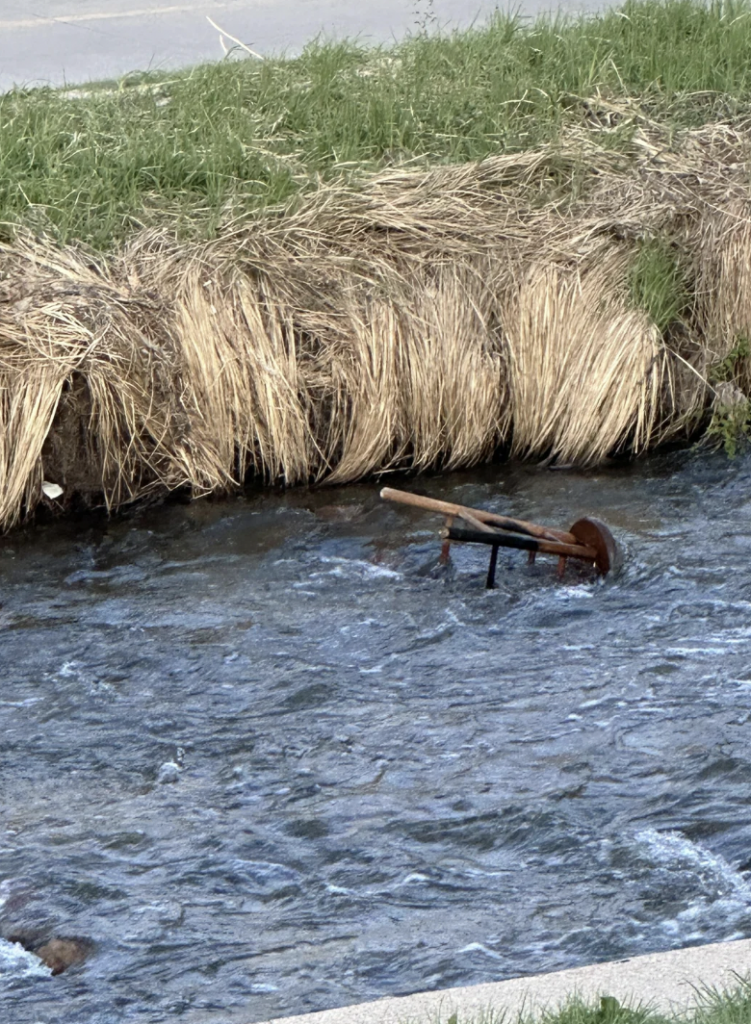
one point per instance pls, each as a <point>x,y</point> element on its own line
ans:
<point>271,762</point>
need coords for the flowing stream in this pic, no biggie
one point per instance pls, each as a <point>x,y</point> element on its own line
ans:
<point>270,760</point>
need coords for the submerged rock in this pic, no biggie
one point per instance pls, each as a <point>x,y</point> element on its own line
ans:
<point>58,953</point>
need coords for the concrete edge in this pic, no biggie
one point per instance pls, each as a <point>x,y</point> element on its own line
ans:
<point>664,981</point>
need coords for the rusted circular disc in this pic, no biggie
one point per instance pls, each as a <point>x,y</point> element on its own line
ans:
<point>594,534</point>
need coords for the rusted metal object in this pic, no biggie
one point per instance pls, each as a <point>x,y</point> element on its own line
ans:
<point>594,534</point>
<point>588,540</point>
<point>519,541</point>
<point>490,518</point>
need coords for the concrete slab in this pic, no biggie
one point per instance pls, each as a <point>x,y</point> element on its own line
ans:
<point>666,981</point>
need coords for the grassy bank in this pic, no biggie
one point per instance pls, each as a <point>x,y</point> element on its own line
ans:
<point>197,148</point>
<point>711,1007</point>
<point>523,239</point>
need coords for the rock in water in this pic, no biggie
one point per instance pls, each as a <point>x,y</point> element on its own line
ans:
<point>60,954</point>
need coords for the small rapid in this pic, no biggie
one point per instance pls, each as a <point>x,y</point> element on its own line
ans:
<point>270,759</point>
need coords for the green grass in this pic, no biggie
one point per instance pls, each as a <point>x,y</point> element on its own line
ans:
<point>730,425</point>
<point>203,145</point>
<point>732,1006</point>
<point>658,283</point>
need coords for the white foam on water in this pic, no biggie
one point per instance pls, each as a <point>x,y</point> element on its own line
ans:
<point>267,873</point>
<point>357,567</point>
<point>413,877</point>
<point>16,962</point>
<point>441,630</point>
<point>339,890</point>
<point>478,947</point>
<point>573,593</point>
<point>721,898</point>
<point>675,851</point>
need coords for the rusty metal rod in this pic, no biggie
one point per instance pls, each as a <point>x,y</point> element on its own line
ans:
<point>519,541</point>
<point>448,508</point>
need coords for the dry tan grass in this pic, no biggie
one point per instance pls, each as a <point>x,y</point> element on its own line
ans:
<point>425,320</point>
<point>586,370</point>
<point>724,283</point>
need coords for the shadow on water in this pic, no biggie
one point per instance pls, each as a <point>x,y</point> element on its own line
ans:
<point>269,761</point>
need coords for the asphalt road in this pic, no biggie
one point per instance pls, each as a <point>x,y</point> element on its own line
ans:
<point>74,41</point>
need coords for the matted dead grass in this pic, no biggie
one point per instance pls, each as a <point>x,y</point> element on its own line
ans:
<point>426,319</point>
